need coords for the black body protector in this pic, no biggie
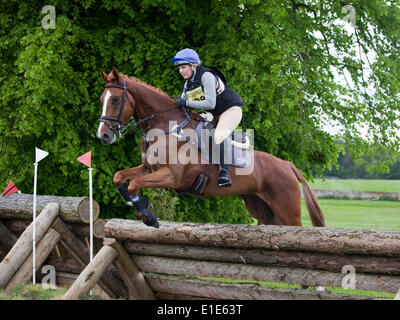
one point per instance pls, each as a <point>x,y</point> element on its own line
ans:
<point>226,97</point>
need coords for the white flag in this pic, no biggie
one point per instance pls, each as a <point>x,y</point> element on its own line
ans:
<point>40,154</point>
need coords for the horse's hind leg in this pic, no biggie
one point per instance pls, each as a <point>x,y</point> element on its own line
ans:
<point>259,210</point>
<point>286,206</point>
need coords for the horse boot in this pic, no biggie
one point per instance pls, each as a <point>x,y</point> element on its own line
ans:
<point>142,206</point>
<point>223,178</point>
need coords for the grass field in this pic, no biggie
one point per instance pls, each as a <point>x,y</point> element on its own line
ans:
<point>357,184</point>
<point>359,214</point>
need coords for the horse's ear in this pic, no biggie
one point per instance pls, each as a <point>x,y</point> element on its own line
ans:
<point>104,76</point>
<point>115,73</point>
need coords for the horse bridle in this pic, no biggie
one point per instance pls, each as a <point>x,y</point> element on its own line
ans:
<point>121,128</point>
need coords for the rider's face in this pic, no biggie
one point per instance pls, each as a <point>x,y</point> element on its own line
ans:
<point>186,71</point>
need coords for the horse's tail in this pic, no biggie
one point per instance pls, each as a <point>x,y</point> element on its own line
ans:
<point>312,204</point>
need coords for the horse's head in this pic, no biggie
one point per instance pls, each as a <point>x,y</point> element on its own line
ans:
<point>117,105</point>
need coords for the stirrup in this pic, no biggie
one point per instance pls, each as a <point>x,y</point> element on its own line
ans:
<point>224,181</point>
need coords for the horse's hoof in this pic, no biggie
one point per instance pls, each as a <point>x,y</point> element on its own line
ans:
<point>149,218</point>
<point>152,221</point>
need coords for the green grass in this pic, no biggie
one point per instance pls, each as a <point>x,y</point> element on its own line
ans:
<point>357,184</point>
<point>359,214</point>
<point>32,292</point>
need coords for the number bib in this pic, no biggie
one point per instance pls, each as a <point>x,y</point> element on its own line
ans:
<point>196,94</point>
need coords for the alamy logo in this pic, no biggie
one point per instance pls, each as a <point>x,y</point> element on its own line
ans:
<point>349,280</point>
<point>351,14</point>
<point>49,20</point>
<point>49,280</point>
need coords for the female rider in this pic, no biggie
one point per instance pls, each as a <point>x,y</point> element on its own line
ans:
<point>205,88</point>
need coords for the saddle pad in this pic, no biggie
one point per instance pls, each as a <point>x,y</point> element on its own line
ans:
<point>240,157</point>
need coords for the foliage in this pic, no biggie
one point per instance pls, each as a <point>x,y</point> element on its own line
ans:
<point>353,165</point>
<point>281,56</point>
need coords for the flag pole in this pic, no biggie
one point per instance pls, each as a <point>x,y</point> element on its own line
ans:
<point>91,217</point>
<point>91,212</point>
<point>39,155</point>
<point>86,159</point>
<point>34,226</point>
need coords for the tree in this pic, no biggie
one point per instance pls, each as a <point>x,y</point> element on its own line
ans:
<point>281,56</point>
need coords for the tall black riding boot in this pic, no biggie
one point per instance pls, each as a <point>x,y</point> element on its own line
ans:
<point>223,178</point>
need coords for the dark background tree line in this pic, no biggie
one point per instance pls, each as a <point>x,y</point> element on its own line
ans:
<point>279,55</point>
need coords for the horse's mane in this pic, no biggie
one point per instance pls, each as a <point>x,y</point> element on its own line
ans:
<point>146,85</point>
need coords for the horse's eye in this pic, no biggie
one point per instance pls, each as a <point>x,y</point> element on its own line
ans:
<point>115,100</point>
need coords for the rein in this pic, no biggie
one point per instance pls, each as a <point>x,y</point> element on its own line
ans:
<point>122,129</point>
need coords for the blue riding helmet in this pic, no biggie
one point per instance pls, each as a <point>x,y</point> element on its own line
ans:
<point>186,56</point>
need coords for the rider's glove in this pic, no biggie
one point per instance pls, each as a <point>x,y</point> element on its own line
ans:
<point>181,103</point>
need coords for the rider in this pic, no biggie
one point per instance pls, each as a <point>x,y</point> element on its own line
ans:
<point>205,88</point>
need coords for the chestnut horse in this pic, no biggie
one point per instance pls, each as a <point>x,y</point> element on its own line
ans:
<point>271,192</point>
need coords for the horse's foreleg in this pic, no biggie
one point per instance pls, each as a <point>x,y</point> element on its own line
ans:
<point>121,176</point>
<point>158,179</point>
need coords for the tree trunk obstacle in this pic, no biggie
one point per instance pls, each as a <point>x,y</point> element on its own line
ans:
<point>180,260</point>
<point>61,222</point>
<point>294,255</point>
<point>72,209</point>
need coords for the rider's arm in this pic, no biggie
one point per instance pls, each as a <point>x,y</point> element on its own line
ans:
<point>209,83</point>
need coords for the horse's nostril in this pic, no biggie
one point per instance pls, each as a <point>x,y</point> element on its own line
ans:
<point>106,136</point>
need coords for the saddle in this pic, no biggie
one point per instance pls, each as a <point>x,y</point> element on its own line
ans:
<point>238,144</point>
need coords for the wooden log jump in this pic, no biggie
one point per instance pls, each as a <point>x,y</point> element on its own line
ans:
<point>293,255</point>
<point>60,228</point>
<point>23,247</point>
<point>183,260</point>
<point>72,209</point>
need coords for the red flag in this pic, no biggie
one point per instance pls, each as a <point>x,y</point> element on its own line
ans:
<point>11,188</point>
<point>86,159</point>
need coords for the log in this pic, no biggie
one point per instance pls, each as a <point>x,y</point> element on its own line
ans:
<point>18,226</point>
<point>65,265</point>
<point>43,249</point>
<point>65,252</point>
<point>137,285</point>
<point>68,265</point>
<point>72,209</point>
<point>3,252</point>
<point>83,229</point>
<point>91,275</point>
<point>326,240</point>
<point>82,254</point>
<point>65,280</point>
<point>7,238</point>
<point>23,246</point>
<point>82,265</point>
<point>310,260</point>
<point>258,273</point>
<point>243,291</point>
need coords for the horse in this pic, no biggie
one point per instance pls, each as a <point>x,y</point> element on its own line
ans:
<point>271,192</point>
